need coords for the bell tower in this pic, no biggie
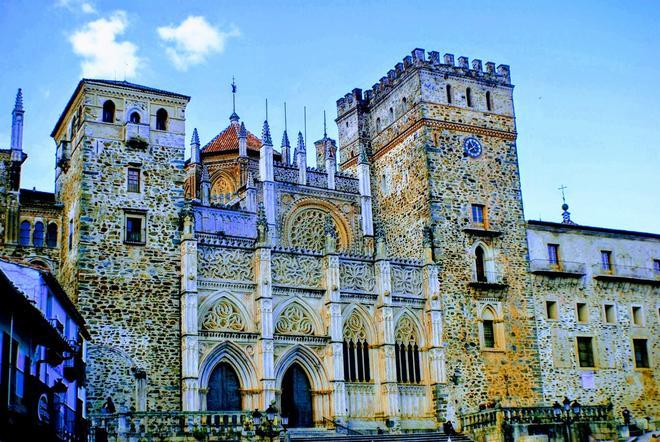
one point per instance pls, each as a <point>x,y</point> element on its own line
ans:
<point>438,138</point>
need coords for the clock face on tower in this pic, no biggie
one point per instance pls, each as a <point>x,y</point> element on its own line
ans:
<point>472,147</point>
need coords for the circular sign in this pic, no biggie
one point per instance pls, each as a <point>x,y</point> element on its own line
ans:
<point>43,414</point>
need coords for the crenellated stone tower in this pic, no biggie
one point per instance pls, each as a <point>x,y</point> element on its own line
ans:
<point>438,142</point>
<point>119,177</point>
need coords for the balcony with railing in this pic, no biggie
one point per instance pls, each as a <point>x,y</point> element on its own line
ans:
<point>482,229</point>
<point>488,280</point>
<point>168,425</point>
<point>626,273</point>
<point>567,269</point>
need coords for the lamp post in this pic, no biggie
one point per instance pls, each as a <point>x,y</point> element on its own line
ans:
<point>269,424</point>
<point>567,413</point>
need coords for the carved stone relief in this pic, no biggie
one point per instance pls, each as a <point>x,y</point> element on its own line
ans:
<point>356,276</point>
<point>296,270</point>
<point>232,264</point>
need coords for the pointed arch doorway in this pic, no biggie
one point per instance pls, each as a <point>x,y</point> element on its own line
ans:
<point>296,397</point>
<point>224,391</point>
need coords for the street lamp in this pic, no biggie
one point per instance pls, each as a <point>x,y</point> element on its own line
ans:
<point>567,413</point>
<point>267,425</point>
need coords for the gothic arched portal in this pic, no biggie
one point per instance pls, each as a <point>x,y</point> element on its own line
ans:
<point>297,397</point>
<point>223,389</point>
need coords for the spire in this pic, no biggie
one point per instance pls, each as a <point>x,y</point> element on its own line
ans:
<point>265,135</point>
<point>325,129</point>
<point>17,124</point>
<point>286,147</point>
<point>242,141</point>
<point>194,147</point>
<point>18,106</point>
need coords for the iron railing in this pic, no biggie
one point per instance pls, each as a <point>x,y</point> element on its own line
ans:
<point>625,271</point>
<point>550,266</point>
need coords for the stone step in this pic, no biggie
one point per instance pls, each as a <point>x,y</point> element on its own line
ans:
<point>405,437</point>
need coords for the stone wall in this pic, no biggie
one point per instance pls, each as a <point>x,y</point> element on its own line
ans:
<point>128,293</point>
<point>615,377</point>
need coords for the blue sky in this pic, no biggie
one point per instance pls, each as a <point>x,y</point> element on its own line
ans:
<point>587,95</point>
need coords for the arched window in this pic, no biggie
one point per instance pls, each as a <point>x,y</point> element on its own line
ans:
<point>489,105</point>
<point>468,97</point>
<point>135,118</point>
<point>404,104</point>
<point>488,328</point>
<point>448,89</point>
<point>51,235</point>
<point>24,234</point>
<point>480,264</point>
<point>377,124</point>
<point>109,111</point>
<point>356,351</point>
<point>38,234</point>
<point>161,119</point>
<point>406,351</point>
<point>391,114</point>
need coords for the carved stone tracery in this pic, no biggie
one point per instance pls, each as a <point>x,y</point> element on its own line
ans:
<point>356,276</point>
<point>354,328</point>
<point>294,320</point>
<point>406,332</point>
<point>296,270</point>
<point>231,264</point>
<point>223,316</point>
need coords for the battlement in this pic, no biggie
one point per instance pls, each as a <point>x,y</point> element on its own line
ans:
<point>418,59</point>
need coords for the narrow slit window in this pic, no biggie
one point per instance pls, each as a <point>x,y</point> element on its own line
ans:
<point>448,90</point>
<point>551,310</point>
<point>553,254</point>
<point>489,104</point>
<point>468,97</point>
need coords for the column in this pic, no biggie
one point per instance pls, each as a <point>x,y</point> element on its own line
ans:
<point>189,326</point>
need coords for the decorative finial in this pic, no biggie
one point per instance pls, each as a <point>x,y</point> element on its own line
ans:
<point>242,132</point>
<point>265,135</point>
<point>250,180</point>
<point>18,106</point>
<point>325,131</point>
<point>566,215</point>
<point>234,116</point>
<point>285,139</point>
<point>205,174</point>
<point>301,143</point>
<point>262,224</point>
<point>195,137</point>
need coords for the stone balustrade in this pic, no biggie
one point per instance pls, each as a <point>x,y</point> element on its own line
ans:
<point>125,426</point>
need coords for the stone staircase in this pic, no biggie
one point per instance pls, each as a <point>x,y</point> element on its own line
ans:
<point>321,435</point>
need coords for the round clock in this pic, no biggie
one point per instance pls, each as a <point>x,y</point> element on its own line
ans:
<point>472,147</point>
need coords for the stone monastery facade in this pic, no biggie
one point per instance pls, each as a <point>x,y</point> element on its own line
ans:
<point>393,281</point>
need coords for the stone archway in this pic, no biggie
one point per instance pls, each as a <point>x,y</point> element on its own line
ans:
<point>296,398</point>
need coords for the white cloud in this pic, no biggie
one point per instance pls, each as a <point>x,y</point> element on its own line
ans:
<point>83,6</point>
<point>193,40</point>
<point>104,56</point>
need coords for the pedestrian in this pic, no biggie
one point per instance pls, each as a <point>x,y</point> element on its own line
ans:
<point>626,416</point>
